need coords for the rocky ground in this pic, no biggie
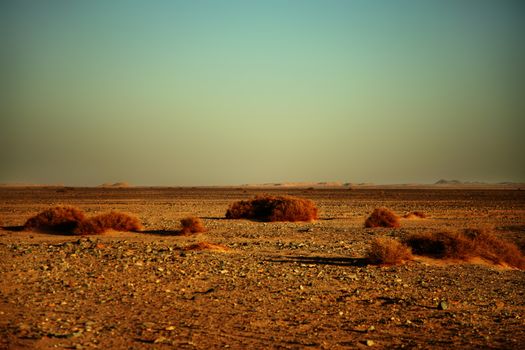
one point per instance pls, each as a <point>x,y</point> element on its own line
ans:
<point>275,285</point>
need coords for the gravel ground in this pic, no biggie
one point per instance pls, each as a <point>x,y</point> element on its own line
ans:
<point>275,285</point>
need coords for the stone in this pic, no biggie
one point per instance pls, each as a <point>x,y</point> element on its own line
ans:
<point>442,305</point>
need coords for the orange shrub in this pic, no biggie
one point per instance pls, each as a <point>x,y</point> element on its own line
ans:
<point>388,251</point>
<point>443,245</point>
<point>495,249</point>
<point>59,219</point>
<point>109,221</point>
<point>382,217</point>
<point>273,208</point>
<point>465,245</point>
<point>192,225</point>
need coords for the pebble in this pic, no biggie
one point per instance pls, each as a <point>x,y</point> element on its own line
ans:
<point>442,305</point>
<point>160,340</point>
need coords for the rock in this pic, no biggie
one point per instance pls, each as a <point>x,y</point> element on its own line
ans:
<point>442,305</point>
<point>160,340</point>
<point>369,342</point>
<point>148,324</point>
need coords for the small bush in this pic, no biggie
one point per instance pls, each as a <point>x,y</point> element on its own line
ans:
<point>273,208</point>
<point>471,243</point>
<point>108,221</point>
<point>206,246</point>
<point>192,225</point>
<point>63,219</point>
<point>415,215</point>
<point>388,251</point>
<point>382,217</point>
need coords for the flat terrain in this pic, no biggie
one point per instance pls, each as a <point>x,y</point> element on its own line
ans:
<point>278,285</point>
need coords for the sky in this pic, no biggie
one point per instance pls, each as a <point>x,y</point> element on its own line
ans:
<point>189,93</point>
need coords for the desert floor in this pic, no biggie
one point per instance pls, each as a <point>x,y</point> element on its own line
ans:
<point>278,285</point>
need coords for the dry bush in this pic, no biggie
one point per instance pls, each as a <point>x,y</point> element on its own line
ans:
<point>273,208</point>
<point>495,249</point>
<point>441,245</point>
<point>415,215</point>
<point>382,217</point>
<point>58,219</point>
<point>388,251</point>
<point>471,243</point>
<point>206,246</point>
<point>192,225</point>
<point>108,221</point>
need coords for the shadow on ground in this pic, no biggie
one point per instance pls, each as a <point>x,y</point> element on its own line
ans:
<point>162,232</point>
<point>13,228</point>
<point>318,260</point>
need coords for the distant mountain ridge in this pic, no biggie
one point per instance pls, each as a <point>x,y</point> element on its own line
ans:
<point>457,182</point>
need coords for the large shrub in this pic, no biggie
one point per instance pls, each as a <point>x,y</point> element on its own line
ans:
<point>465,245</point>
<point>273,208</point>
<point>63,219</point>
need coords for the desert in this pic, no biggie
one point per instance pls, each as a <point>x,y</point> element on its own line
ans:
<point>247,284</point>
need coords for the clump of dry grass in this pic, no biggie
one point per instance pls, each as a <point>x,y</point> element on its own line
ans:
<point>382,217</point>
<point>63,219</point>
<point>273,208</point>
<point>108,221</point>
<point>192,225</point>
<point>441,245</point>
<point>415,215</point>
<point>388,251</point>
<point>495,249</point>
<point>466,245</point>
<point>206,246</point>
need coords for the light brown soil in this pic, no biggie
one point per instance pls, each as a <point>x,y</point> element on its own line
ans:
<point>278,285</point>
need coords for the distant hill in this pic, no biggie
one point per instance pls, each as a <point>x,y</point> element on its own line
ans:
<point>115,185</point>
<point>448,182</point>
<point>479,184</point>
<point>298,184</point>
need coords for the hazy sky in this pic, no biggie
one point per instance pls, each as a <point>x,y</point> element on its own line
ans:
<point>231,92</point>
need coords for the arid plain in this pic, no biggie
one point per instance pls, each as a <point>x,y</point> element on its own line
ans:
<point>268,285</point>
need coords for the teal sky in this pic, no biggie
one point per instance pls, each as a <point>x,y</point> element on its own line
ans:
<point>231,92</point>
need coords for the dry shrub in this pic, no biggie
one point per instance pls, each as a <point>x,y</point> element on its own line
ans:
<point>415,215</point>
<point>192,225</point>
<point>108,221</point>
<point>495,249</point>
<point>388,251</point>
<point>58,219</point>
<point>273,208</point>
<point>441,245</point>
<point>382,217</point>
<point>471,243</point>
<point>206,246</point>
